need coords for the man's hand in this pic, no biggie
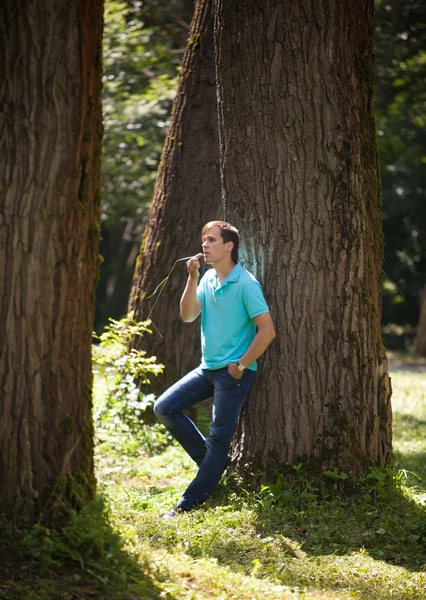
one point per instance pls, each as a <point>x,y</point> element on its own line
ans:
<point>234,371</point>
<point>193,266</point>
<point>190,307</point>
<point>264,336</point>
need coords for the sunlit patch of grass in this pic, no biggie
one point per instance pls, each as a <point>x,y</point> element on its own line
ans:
<point>185,577</point>
<point>329,549</point>
<point>305,544</point>
<point>409,425</point>
<point>292,539</point>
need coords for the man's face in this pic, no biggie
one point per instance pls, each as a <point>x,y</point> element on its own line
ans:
<point>214,248</point>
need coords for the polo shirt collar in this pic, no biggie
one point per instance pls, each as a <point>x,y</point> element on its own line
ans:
<point>233,276</point>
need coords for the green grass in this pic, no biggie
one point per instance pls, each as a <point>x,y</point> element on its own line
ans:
<point>409,422</point>
<point>294,539</point>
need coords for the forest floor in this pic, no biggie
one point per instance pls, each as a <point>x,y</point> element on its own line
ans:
<point>293,539</point>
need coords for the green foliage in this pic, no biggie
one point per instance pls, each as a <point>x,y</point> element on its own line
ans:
<point>380,484</point>
<point>140,79</point>
<point>377,485</point>
<point>335,475</point>
<point>287,492</point>
<point>400,42</point>
<point>381,508</point>
<point>125,404</point>
<point>88,552</point>
<point>141,63</point>
<point>86,538</point>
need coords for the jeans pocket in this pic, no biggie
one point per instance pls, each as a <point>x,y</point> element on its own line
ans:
<point>234,378</point>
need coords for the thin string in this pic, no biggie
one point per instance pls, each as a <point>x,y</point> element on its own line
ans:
<point>161,287</point>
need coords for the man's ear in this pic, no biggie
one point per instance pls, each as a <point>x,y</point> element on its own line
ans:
<point>230,246</point>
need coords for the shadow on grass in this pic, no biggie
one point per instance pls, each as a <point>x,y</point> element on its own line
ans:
<point>391,528</point>
<point>382,519</point>
<point>385,522</point>
<point>86,558</point>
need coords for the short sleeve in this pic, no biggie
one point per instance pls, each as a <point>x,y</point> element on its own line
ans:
<point>254,300</point>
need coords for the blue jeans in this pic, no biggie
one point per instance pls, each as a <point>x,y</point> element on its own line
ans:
<point>211,453</point>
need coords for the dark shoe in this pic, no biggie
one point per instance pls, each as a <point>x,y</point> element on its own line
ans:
<point>174,512</point>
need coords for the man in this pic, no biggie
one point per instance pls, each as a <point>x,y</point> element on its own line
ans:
<point>232,308</point>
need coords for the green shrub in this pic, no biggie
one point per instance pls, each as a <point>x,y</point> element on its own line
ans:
<point>125,403</point>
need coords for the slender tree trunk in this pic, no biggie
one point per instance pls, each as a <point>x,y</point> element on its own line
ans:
<point>50,87</point>
<point>186,196</point>
<point>119,247</point>
<point>300,180</point>
<point>420,339</point>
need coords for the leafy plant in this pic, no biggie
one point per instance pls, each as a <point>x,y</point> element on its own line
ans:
<point>382,483</point>
<point>335,475</point>
<point>288,492</point>
<point>125,404</point>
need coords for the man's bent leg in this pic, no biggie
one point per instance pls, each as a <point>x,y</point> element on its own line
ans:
<point>186,392</point>
<point>229,396</point>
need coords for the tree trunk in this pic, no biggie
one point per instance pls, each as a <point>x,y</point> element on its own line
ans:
<point>49,207</point>
<point>186,196</point>
<point>119,247</point>
<point>300,180</point>
<point>420,339</point>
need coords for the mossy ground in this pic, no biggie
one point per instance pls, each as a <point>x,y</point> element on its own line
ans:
<point>292,540</point>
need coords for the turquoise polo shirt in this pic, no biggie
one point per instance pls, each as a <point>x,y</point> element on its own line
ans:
<point>228,310</point>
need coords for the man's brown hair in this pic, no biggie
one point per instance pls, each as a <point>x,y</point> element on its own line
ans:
<point>228,233</point>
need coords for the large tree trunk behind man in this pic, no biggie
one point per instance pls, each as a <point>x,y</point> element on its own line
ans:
<point>300,177</point>
<point>186,196</point>
<point>49,202</point>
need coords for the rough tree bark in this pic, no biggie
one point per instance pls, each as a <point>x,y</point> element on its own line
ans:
<point>420,339</point>
<point>51,131</point>
<point>300,180</point>
<point>186,196</point>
